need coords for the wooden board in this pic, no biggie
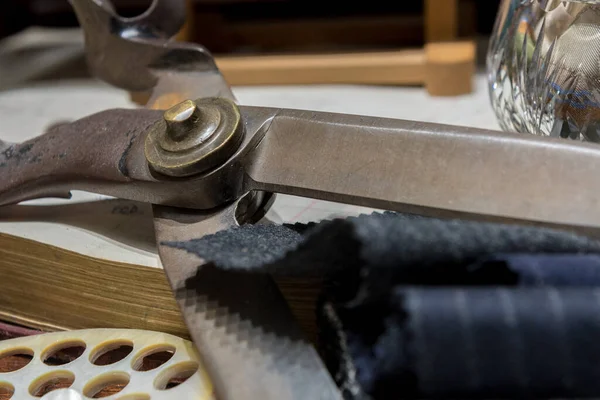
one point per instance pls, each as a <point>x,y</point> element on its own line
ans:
<point>403,67</point>
<point>444,68</point>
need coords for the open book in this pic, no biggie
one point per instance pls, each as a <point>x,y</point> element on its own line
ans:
<point>91,261</point>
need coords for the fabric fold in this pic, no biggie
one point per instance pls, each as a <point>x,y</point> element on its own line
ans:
<point>416,307</point>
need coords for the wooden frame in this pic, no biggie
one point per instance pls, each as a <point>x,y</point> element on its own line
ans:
<point>445,65</point>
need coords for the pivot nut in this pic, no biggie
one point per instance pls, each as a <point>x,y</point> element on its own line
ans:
<point>194,137</point>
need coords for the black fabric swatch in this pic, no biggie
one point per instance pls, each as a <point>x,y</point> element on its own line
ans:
<point>406,245</point>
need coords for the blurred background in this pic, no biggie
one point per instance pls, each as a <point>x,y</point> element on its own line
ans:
<point>225,26</point>
<point>53,45</point>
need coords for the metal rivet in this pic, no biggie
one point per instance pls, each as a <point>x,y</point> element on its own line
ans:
<point>194,137</point>
<point>181,119</point>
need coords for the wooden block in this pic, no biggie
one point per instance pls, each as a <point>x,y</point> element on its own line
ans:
<point>450,68</point>
<point>441,20</point>
<point>186,32</point>
<point>404,67</point>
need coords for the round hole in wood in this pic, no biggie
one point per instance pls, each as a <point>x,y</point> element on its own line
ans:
<point>63,352</point>
<point>6,390</point>
<point>14,359</point>
<point>107,384</point>
<point>111,352</point>
<point>51,381</point>
<point>152,357</point>
<point>175,375</point>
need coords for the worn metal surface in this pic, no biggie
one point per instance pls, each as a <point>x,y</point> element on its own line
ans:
<point>138,54</point>
<point>194,136</point>
<point>381,163</point>
<point>426,168</point>
<point>104,153</point>
<point>246,335</point>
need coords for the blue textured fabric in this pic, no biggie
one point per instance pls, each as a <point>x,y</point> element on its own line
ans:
<point>546,269</point>
<point>478,343</point>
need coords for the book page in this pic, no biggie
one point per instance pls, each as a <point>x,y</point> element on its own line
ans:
<point>120,230</point>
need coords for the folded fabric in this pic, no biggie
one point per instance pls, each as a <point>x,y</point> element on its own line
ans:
<point>428,308</point>
<point>458,343</point>
<point>543,269</point>
<point>417,248</point>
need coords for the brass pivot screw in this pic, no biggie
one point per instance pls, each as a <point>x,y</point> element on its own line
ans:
<point>181,119</point>
<point>194,137</point>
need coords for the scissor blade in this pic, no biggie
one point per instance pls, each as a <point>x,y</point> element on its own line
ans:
<point>428,168</point>
<point>250,343</point>
<point>138,54</point>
